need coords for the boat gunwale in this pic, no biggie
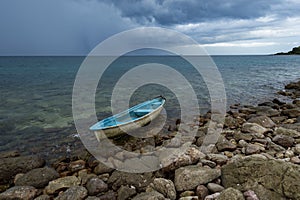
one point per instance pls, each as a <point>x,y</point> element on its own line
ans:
<point>128,111</point>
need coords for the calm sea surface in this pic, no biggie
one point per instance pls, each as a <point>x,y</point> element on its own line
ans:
<point>36,93</point>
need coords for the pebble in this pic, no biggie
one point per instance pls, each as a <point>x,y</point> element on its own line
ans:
<point>283,140</point>
<point>252,149</point>
<point>289,153</point>
<point>297,149</point>
<point>61,183</point>
<point>76,165</point>
<point>73,193</point>
<point>231,194</point>
<point>95,186</point>
<point>213,187</point>
<point>165,187</point>
<point>201,192</point>
<point>187,193</point>
<point>250,195</point>
<point>212,196</point>
<point>189,198</point>
<point>125,192</point>
<point>295,160</point>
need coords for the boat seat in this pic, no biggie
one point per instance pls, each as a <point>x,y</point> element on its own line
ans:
<point>141,112</point>
<point>156,103</point>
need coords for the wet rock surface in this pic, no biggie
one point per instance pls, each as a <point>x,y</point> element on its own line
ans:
<point>11,166</point>
<point>37,178</point>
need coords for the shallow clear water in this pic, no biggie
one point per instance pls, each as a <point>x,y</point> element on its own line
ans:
<point>36,93</point>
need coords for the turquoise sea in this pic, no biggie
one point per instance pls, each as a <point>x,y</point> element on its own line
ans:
<point>36,94</point>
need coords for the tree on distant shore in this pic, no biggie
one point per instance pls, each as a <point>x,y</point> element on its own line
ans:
<point>295,51</point>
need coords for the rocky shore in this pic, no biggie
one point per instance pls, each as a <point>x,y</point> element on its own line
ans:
<point>257,157</point>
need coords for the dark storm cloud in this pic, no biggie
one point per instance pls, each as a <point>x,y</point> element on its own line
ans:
<point>170,12</point>
<point>56,27</point>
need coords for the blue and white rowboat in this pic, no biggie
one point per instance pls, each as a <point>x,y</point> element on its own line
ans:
<point>129,119</point>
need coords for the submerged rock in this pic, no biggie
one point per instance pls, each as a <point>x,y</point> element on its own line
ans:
<point>38,178</point>
<point>9,167</point>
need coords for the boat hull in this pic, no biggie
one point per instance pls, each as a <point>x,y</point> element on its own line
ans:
<point>121,129</point>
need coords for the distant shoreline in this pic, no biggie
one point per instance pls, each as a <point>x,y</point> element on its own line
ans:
<point>294,51</point>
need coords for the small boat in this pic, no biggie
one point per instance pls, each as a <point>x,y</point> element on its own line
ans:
<point>137,116</point>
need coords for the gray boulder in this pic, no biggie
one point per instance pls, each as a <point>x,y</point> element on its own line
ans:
<point>269,179</point>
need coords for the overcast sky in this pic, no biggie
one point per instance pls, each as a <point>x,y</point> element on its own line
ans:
<point>75,27</point>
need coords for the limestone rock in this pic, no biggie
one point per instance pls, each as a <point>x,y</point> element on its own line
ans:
<point>95,186</point>
<point>165,187</point>
<point>149,196</point>
<point>201,192</point>
<point>217,158</point>
<point>19,192</point>
<point>139,181</point>
<point>213,187</point>
<point>283,140</point>
<point>253,128</point>
<point>292,113</point>
<point>61,183</point>
<point>189,177</point>
<point>231,194</point>
<point>255,172</point>
<point>76,165</point>
<point>102,168</point>
<point>263,121</point>
<point>73,193</point>
<point>224,145</point>
<point>43,197</point>
<point>287,132</point>
<point>125,192</point>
